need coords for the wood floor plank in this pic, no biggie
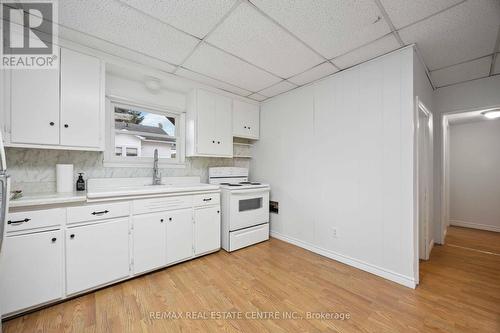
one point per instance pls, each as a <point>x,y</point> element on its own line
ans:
<point>459,292</point>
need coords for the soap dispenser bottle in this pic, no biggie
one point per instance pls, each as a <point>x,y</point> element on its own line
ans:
<point>80,183</point>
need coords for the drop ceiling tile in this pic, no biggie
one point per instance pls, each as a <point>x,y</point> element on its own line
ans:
<point>186,73</point>
<point>330,27</point>
<point>463,72</point>
<point>405,12</point>
<point>496,69</point>
<point>196,17</point>
<point>464,32</point>
<point>278,88</point>
<point>313,74</point>
<point>258,97</point>
<point>249,35</point>
<point>114,22</point>
<point>222,66</point>
<point>367,52</point>
<point>113,50</point>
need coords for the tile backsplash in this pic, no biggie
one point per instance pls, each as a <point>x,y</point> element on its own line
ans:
<point>34,170</point>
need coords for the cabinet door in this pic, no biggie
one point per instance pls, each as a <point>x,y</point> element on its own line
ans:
<point>31,270</point>
<point>206,229</point>
<point>34,115</point>
<point>81,119</point>
<point>179,235</point>
<point>245,120</point>
<point>206,140</point>
<point>224,126</point>
<point>96,254</point>
<point>149,242</point>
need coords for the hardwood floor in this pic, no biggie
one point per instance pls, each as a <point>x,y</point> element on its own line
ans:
<point>459,292</point>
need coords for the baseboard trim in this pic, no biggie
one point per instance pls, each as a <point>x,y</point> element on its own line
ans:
<point>479,226</point>
<point>373,269</point>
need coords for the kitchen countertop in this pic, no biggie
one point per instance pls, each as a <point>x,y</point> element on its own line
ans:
<point>37,199</point>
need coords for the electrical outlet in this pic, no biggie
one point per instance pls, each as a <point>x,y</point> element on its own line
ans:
<point>334,232</point>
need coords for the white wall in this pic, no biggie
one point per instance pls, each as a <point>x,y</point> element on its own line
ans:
<point>473,95</point>
<point>475,174</point>
<point>339,154</point>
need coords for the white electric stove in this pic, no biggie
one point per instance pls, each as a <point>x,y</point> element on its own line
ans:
<point>244,205</point>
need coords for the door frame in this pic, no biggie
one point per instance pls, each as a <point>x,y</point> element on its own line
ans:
<point>445,160</point>
<point>427,241</point>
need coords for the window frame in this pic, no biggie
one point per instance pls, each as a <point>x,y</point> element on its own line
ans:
<point>111,160</point>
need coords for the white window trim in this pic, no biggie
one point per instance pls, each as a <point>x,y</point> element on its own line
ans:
<point>110,160</point>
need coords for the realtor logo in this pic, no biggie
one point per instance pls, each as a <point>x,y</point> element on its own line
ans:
<point>28,34</point>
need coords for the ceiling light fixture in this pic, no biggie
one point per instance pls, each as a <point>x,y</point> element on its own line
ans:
<point>491,114</point>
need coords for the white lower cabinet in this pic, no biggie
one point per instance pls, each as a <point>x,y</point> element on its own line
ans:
<point>179,235</point>
<point>97,254</point>
<point>149,242</point>
<point>206,229</point>
<point>31,270</point>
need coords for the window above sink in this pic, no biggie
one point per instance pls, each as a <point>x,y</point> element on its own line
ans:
<point>134,131</point>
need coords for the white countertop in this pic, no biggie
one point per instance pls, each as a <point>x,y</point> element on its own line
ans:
<point>36,199</point>
<point>105,189</point>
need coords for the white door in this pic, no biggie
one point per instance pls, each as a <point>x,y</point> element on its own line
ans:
<point>31,270</point>
<point>206,229</point>
<point>35,106</point>
<point>80,100</point>
<point>424,167</point>
<point>206,123</point>
<point>224,126</point>
<point>179,235</point>
<point>245,120</point>
<point>149,242</point>
<point>96,254</point>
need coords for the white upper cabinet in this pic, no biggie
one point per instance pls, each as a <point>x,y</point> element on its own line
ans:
<point>245,120</point>
<point>56,108</point>
<point>81,100</point>
<point>34,115</point>
<point>209,125</point>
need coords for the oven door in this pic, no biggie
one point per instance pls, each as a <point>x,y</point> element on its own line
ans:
<point>248,208</point>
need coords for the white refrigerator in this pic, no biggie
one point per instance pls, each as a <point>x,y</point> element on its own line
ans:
<point>4,202</point>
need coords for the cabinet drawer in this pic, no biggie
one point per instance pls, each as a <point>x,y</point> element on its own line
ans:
<point>98,212</point>
<point>161,204</point>
<point>206,199</point>
<point>35,219</point>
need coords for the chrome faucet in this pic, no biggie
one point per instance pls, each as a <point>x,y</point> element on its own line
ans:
<point>156,173</point>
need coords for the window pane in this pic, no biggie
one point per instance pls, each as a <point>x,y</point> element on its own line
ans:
<point>118,151</point>
<point>131,151</point>
<point>145,131</point>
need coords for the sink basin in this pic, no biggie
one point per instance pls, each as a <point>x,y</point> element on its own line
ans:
<point>102,188</point>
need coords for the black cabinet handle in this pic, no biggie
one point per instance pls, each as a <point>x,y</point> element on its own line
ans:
<point>248,127</point>
<point>245,127</point>
<point>218,212</point>
<point>54,240</point>
<point>218,142</point>
<point>18,221</point>
<point>161,220</point>
<point>170,219</point>
<point>213,141</point>
<point>72,236</point>
<point>207,199</point>
<point>51,123</point>
<point>101,212</point>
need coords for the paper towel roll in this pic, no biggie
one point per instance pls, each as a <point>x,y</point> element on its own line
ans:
<point>64,177</point>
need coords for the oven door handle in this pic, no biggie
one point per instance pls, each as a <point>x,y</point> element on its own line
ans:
<point>256,190</point>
